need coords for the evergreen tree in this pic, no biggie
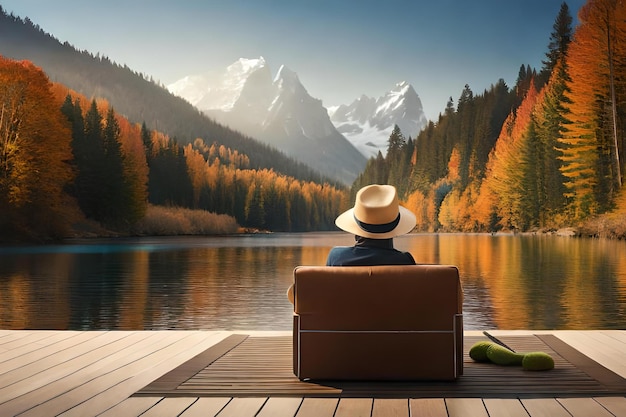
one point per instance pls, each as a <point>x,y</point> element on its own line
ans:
<point>552,125</point>
<point>465,132</point>
<point>72,111</point>
<point>532,176</point>
<point>90,161</point>
<point>560,39</point>
<point>169,183</point>
<point>396,161</point>
<point>146,138</point>
<point>115,194</point>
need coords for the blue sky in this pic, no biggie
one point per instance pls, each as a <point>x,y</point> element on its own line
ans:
<point>339,49</point>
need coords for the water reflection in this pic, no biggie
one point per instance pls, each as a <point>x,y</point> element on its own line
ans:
<point>510,282</point>
<point>535,282</point>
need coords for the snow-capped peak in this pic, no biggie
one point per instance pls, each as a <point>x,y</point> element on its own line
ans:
<point>368,122</point>
<point>239,71</point>
<point>395,98</point>
<point>218,90</point>
<point>287,80</point>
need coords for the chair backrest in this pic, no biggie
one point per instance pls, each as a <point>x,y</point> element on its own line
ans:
<point>378,322</point>
<point>408,297</point>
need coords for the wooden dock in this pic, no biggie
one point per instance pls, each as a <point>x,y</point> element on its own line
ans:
<point>96,373</point>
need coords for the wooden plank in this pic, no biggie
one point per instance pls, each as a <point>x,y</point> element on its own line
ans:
<point>613,349</point>
<point>205,407</point>
<point>428,407</point>
<point>390,407</point>
<point>584,407</point>
<point>133,406</point>
<point>130,373</point>
<point>544,407</point>
<point>152,362</point>
<point>177,376</point>
<point>280,407</point>
<point>102,353</point>
<point>466,407</point>
<point>504,407</point>
<point>23,341</point>
<point>242,407</point>
<point>604,350</point>
<point>12,338</point>
<point>354,407</point>
<point>616,405</point>
<point>48,339</point>
<point>588,366</point>
<point>618,335</point>
<point>169,407</point>
<point>24,366</point>
<point>318,407</point>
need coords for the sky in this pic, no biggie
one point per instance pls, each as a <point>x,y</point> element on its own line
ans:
<point>340,49</point>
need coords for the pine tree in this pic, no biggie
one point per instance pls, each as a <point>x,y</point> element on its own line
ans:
<point>90,161</point>
<point>395,160</point>
<point>146,138</point>
<point>560,39</point>
<point>465,132</point>
<point>115,194</point>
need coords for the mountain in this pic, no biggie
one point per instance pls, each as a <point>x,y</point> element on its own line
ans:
<point>135,96</point>
<point>368,122</point>
<point>278,111</point>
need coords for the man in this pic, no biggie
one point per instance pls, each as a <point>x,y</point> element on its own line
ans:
<point>375,220</point>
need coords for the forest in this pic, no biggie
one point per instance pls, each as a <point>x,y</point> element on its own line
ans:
<point>544,154</point>
<point>66,159</point>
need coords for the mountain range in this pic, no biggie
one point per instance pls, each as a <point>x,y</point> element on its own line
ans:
<point>278,111</point>
<point>281,112</point>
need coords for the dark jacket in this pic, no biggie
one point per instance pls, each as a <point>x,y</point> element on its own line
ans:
<point>368,252</point>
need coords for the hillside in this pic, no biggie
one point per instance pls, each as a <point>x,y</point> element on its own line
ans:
<point>133,95</point>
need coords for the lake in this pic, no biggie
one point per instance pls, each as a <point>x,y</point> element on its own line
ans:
<point>239,282</point>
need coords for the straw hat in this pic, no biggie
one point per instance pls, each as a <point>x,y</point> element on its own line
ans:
<point>377,214</point>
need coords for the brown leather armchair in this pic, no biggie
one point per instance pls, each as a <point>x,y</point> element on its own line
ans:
<point>378,323</point>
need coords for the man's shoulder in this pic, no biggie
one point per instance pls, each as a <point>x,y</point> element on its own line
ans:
<point>358,255</point>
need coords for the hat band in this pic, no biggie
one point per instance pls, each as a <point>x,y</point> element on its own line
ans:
<point>378,228</point>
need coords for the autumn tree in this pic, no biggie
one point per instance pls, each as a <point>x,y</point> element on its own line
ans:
<point>591,147</point>
<point>34,154</point>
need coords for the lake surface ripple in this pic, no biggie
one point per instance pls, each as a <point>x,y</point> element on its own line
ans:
<point>239,282</point>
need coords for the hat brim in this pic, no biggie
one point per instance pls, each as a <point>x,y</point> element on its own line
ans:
<point>346,222</point>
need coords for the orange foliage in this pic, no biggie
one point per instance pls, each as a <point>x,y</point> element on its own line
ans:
<point>34,150</point>
<point>502,189</point>
<point>597,44</point>
<point>454,165</point>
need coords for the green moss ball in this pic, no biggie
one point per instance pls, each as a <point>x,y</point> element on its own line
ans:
<point>478,351</point>
<point>503,356</point>
<point>537,361</point>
